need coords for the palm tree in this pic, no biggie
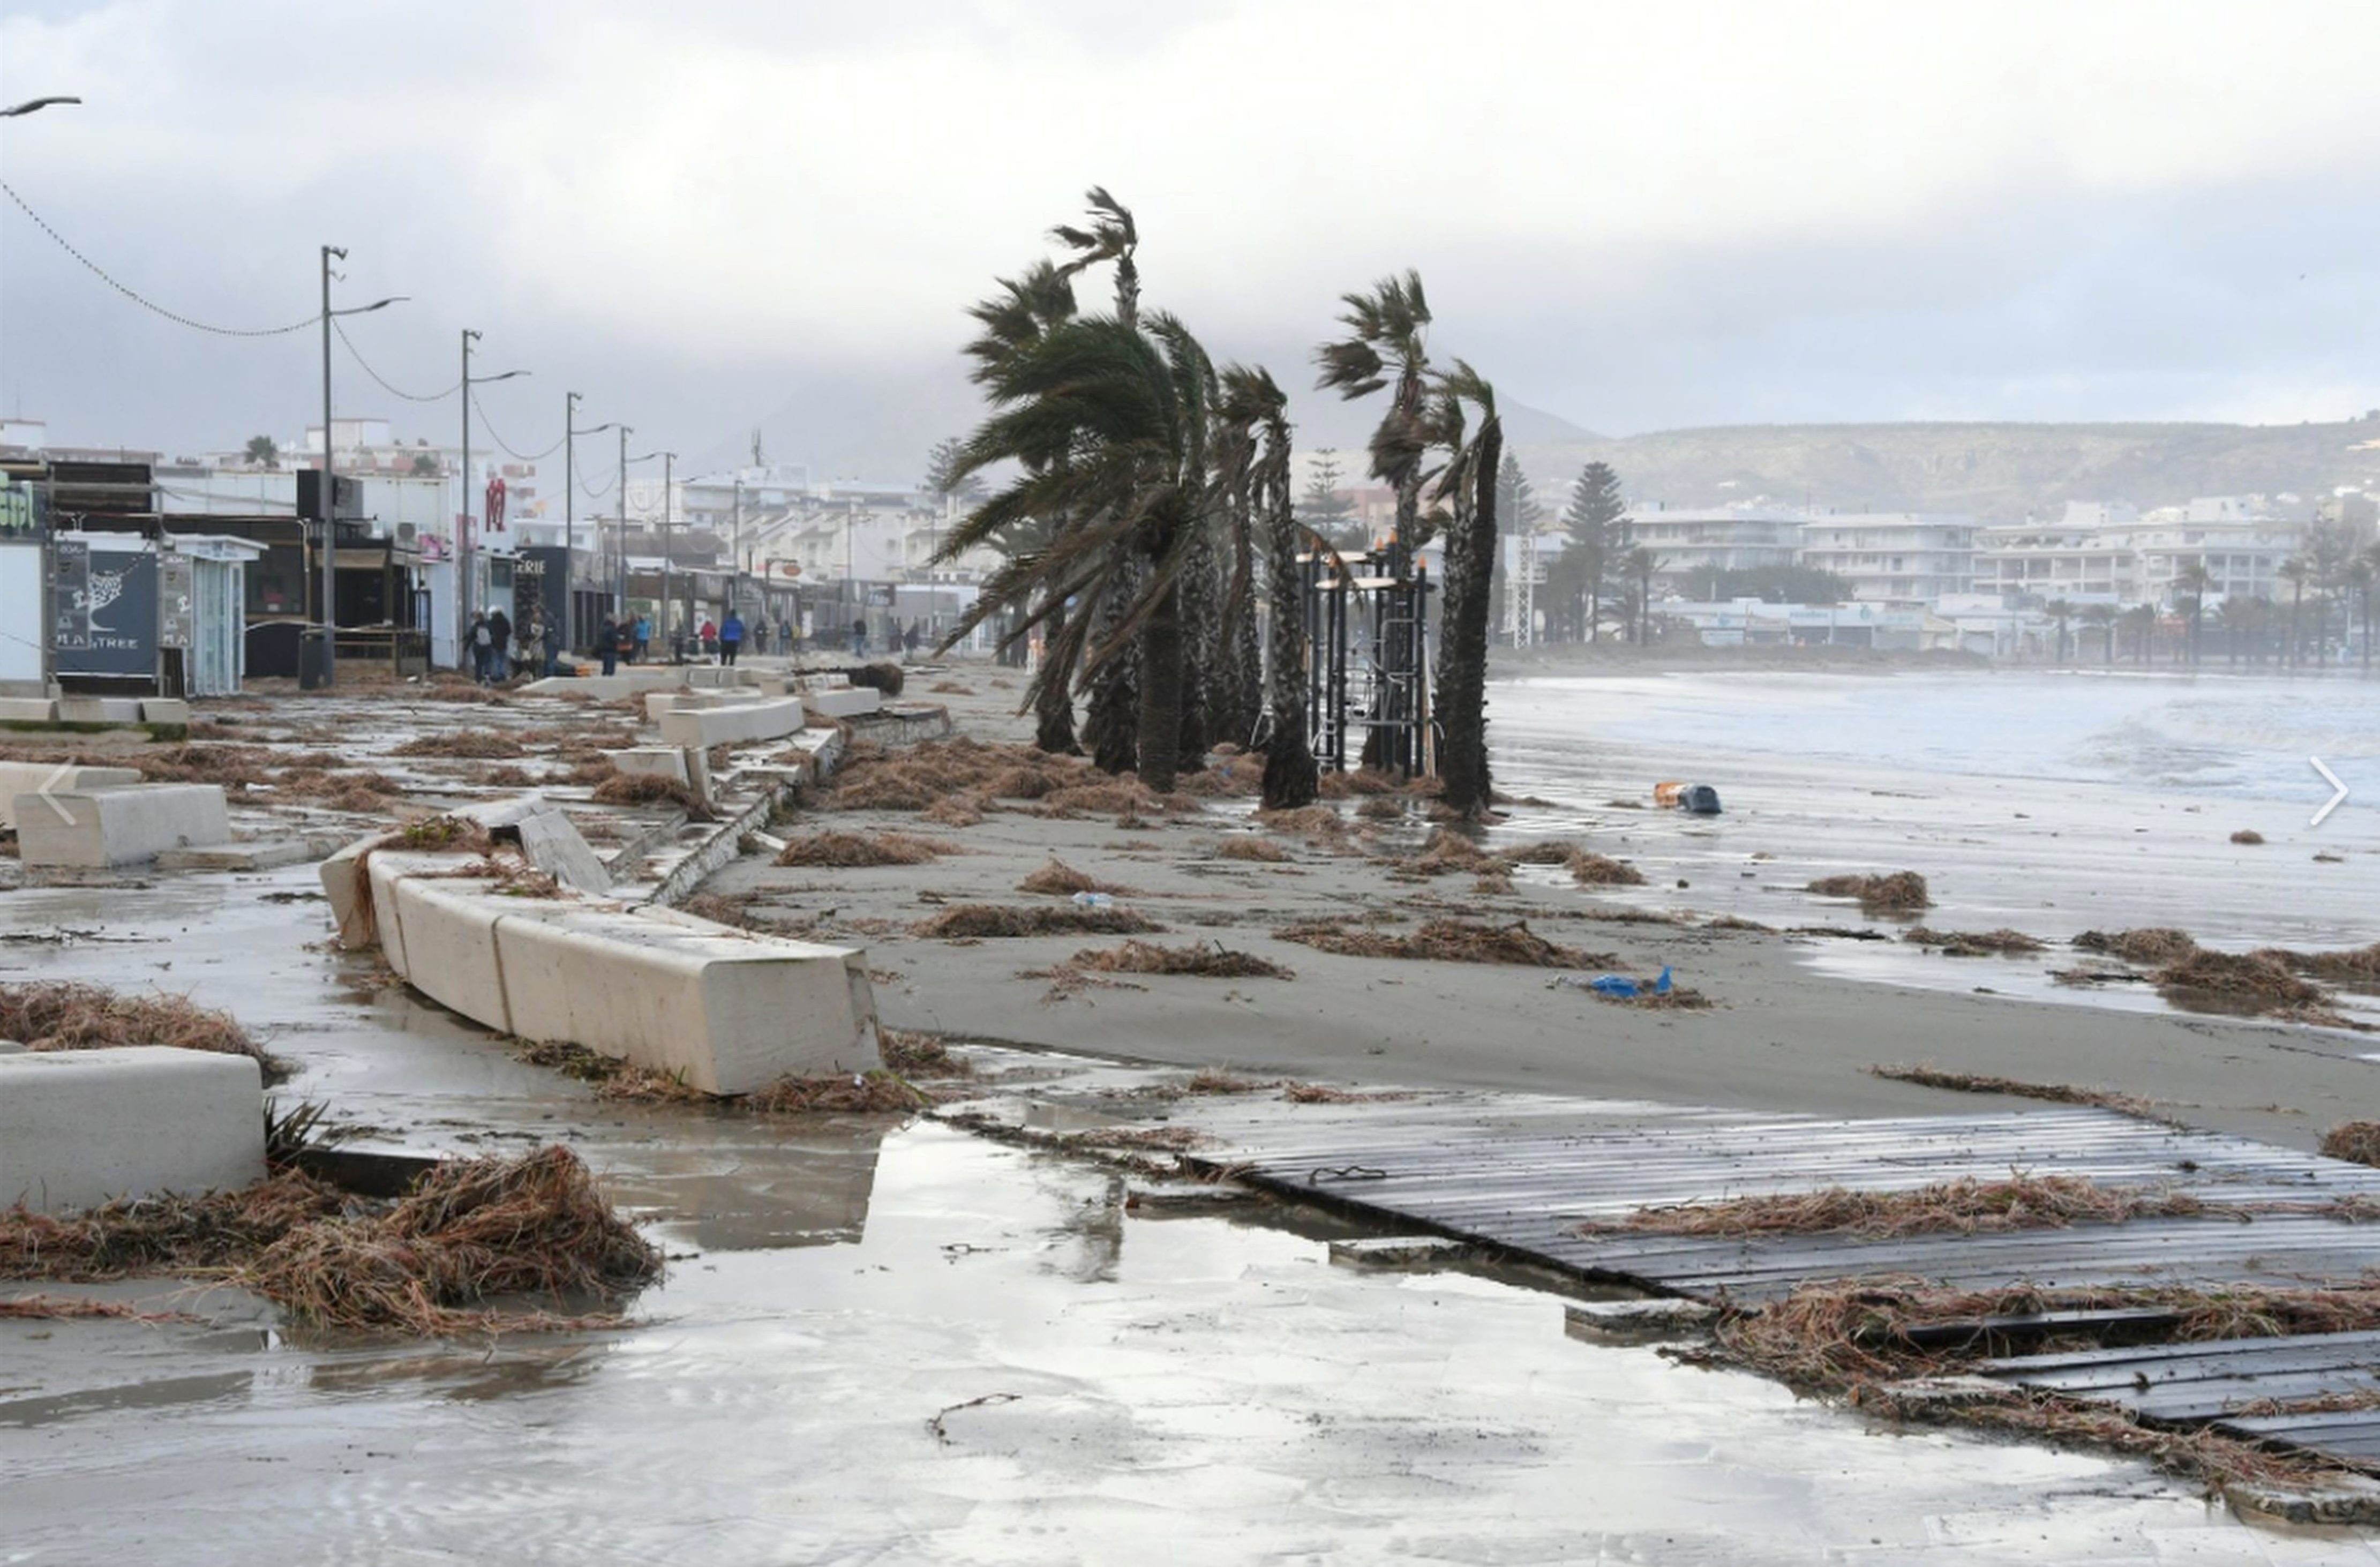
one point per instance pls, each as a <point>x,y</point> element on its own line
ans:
<point>2103,617</point>
<point>2060,610</point>
<point>1637,565</point>
<point>2194,580</point>
<point>2142,620</point>
<point>1468,482</point>
<point>1112,721</point>
<point>262,452</point>
<point>1235,688</point>
<point>1025,310</point>
<point>2364,576</point>
<point>1387,329</point>
<point>2294,571</point>
<point>1129,409</point>
<point>1290,778</point>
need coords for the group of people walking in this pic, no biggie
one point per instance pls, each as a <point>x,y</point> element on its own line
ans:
<point>629,640</point>
<point>499,651</point>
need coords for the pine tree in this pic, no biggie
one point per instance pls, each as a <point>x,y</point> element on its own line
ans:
<point>1325,507</point>
<point>1596,521</point>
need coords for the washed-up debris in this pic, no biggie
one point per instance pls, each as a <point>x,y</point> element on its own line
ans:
<point>651,789</point>
<point>2252,981</point>
<point>471,745</point>
<point>56,1014</point>
<point>2150,944</point>
<point>2247,835</point>
<point>913,1054</point>
<point>978,922</point>
<point>2355,1140</point>
<point>1902,891</point>
<point>1601,870</point>
<point>68,1308</point>
<point>856,850</point>
<point>2054,1093</point>
<point>1249,848</point>
<point>1060,880</point>
<point>1966,1206</point>
<point>430,1263</point>
<point>1216,961</point>
<point>1974,944</point>
<point>1444,941</point>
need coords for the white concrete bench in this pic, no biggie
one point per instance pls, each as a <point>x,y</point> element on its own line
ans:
<point>79,1127</point>
<point>119,826</point>
<point>732,723</point>
<point>851,701</point>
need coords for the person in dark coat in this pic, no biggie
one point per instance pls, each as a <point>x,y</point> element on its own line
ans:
<point>607,645</point>
<point>500,629</point>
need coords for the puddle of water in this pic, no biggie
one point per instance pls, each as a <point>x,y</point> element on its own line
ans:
<point>992,1362</point>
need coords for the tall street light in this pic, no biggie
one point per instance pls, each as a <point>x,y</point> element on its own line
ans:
<point>623,540</point>
<point>570,433</point>
<point>463,584</point>
<point>669,477</point>
<point>31,105</point>
<point>329,491</point>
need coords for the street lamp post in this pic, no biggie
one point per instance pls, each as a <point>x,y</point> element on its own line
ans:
<point>620,543</point>
<point>463,584</point>
<point>668,472</point>
<point>31,105</point>
<point>330,470</point>
<point>570,433</point>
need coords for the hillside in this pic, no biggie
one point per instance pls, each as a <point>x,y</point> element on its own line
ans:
<point>1999,471</point>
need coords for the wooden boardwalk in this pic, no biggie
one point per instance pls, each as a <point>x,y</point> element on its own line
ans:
<point>2218,1384</point>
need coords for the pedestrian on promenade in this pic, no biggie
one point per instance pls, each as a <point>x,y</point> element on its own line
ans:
<point>644,640</point>
<point>499,634</point>
<point>607,645</point>
<point>859,638</point>
<point>709,638</point>
<point>481,642</point>
<point>731,638</point>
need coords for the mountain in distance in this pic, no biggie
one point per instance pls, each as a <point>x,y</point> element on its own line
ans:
<point>2001,472</point>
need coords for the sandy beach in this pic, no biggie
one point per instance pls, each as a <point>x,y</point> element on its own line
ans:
<point>1795,1022</point>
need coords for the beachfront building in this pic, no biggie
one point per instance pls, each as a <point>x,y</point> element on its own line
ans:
<point>1892,557</point>
<point>2105,552</point>
<point>1694,544</point>
<point>1753,622</point>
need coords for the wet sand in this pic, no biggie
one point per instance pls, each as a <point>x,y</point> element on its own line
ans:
<point>1796,1021</point>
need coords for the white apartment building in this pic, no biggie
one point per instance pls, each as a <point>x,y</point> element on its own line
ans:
<point>1691,543</point>
<point>2107,552</point>
<point>1893,557</point>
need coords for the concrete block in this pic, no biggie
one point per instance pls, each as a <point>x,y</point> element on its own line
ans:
<point>697,773</point>
<point>1398,1251</point>
<point>1146,1195</point>
<point>550,841</point>
<point>651,762</point>
<point>261,854</point>
<point>734,723</point>
<point>727,1010</point>
<point>1637,1321</point>
<point>79,1127</point>
<point>29,778</point>
<point>629,681</point>
<point>714,677</point>
<point>660,702</point>
<point>350,895</point>
<point>164,709</point>
<point>28,709</point>
<point>853,701</point>
<point>123,826</point>
<point>99,709</point>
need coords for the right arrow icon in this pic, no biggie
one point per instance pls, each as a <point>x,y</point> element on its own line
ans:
<point>2331,804</point>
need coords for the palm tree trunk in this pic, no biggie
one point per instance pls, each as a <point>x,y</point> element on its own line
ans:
<point>1161,692</point>
<point>1111,717</point>
<point>1053,704</point>
<point>1463,658</point>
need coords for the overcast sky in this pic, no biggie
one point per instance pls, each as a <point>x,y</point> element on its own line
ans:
<point>708,215</point>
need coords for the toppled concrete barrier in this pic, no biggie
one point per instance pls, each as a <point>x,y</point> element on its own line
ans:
<point>851,701</point>
<point>79,1127</point>
<point>732,723</point>
<point>726,1011</point>
<point>98,827</point>
<point>26,780</point>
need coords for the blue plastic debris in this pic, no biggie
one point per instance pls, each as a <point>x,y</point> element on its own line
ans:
<point>1661,986</point>
<point>1618,986</point>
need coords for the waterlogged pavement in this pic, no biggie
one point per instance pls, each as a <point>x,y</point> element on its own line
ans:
<point>886,1341</point>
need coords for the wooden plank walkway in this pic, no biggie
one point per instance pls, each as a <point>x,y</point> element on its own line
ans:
<point>1525,1173</point>
<point>2213,1383</point>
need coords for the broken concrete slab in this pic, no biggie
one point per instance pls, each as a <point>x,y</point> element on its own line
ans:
<point>261,854</point>
<point>164,709</point>
<point>732,723</point>
<point>99,709</point>
<point>851,702</point>
<point>550,841</point>
<point>79,1127</point>
<point>630,681</point>
<point>1637,1321</point>
<point>98,827</point>
<point>651,761</point>
<point>28,709</point>
<point>1139,1195</point>
<point>28,779</point>
<point>1398,1251</point>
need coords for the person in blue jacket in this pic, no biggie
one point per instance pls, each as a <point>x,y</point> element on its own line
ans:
<point>731,638</point>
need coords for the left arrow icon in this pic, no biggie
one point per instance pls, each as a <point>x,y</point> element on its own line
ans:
<point>2333,803</point>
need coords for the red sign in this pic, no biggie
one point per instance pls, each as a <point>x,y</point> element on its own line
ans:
<point>496,505</point>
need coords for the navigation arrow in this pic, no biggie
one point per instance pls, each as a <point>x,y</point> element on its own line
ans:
<point>2331,804</point>
<point>57,777</point>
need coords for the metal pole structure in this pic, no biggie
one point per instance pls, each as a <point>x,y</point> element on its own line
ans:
<point>620,536</point>
<point>569,522</point>
<point>735,549</point>
<point>329,491</point>
<point>463,583</point>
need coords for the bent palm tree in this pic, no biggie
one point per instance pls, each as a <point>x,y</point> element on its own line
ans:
<point>1025,310</point>
<point>1468,484</point>
<point>2061,610</point>
<point>1290,778</point>
<point>1128,409</point>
